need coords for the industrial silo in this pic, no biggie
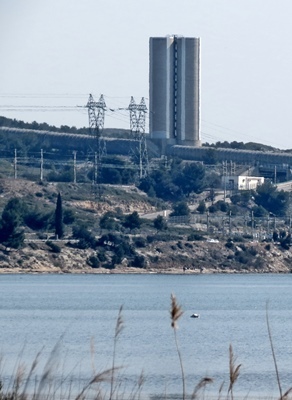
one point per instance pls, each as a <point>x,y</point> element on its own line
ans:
<point>175,90</point>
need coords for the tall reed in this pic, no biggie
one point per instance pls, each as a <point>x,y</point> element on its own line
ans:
<point>233,371</point>
<point>175,314</point>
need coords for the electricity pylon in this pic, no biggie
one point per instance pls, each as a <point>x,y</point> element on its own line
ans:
<point>96,123</point>
<point>137,126</point>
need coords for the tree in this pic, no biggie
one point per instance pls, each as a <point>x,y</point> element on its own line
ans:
<point>191,178</point>
<point>286,241</point>
<point>132,221</point>
<point>112,176</point>
<point>271,199</point>
<point>275,236</point>
<point>180,208</point>
<point>160,223</point>
<point>210,157</point>
<point>164,185</point>
<point>259,211</point>
<point>85,237</point>
<point>201,207</point>
<point>12,218</point>
<point>107,221</point>
<point>212,195</point>
<point>36,219</point>
<point>59,227</point>
<point>264,194</point>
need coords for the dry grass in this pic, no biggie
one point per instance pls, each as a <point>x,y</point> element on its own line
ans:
<point>175,314</point>
<point>106,384</point>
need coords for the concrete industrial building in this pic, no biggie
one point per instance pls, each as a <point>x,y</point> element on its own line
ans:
<point>240,182</point>
<point>175,90</point>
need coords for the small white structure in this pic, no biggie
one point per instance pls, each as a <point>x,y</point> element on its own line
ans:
<point>240,182</point>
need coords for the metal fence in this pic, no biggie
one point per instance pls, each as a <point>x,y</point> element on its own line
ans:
<point>232,225</point>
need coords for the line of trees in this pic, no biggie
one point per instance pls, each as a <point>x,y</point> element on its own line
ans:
<point>176,182</point>
<point>17,214</point>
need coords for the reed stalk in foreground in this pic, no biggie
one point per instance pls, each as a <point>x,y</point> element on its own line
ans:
<point>175,314</point>
<point>286,394</point>
<point>233,371</point>
<point>201,386</point>
<point>118,330</point>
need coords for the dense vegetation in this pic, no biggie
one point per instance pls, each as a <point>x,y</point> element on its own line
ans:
<point>186,188</point>
<point>241,146</point>
<point>176,182</point>
<point>14,123</point>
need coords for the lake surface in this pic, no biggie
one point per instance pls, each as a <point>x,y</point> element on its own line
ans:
<point>80,311</point>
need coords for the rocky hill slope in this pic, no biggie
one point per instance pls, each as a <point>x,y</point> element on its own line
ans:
<point>175,250</point>
<point>172,257</point>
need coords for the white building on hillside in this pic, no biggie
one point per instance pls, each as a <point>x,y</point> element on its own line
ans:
<point>234,182</point>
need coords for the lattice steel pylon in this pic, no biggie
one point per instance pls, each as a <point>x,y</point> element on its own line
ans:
<point>137,126</point>
<point>96,112</point>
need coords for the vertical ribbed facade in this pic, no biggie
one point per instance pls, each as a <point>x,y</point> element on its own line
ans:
<point>175,90</point>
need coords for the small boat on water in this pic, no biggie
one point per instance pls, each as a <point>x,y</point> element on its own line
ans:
<point>195,316</point>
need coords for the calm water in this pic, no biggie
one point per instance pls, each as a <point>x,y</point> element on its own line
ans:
<point>38,311</point>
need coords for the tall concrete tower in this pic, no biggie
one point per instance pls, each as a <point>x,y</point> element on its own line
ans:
<point>175,90</point>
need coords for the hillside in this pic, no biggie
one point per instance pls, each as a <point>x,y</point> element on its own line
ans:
<point>117,248</point>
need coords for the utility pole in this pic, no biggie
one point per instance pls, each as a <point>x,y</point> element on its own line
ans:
<point>224,173</point>
<point>74,166</point>
<point>95,167</point>
<point>223,226</point>
<point>207,221</point>
<point>42,165</point>
<point>232,168</point>
<point>229,222</point>
<point>15,164</point>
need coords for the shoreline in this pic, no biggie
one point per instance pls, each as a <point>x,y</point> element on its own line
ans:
<point>134,271</point>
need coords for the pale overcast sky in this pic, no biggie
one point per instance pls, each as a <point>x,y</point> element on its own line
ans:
<point>54,53</point>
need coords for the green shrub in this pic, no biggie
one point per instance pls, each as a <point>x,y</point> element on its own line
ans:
<point>212,209</point>
<point>54,247</point>
<point>93,261</point>
<point>160,223</point>
<point>101,257</point>
<point>229,245</point>
<point>253,251</point>
<point>86,238</point>
<point>194,236</point>
<point>222,206</point>
<point>38,220</point>
<point>108,222</point>
<point>140,242</point>
<point>201,207</point>
<point>139,261</point>
<point>235,199</point>
<point>180,209</point>
<point>132,221</point>
<point>243,258</point>
<point>162,238</point>
<point>68,216</point>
